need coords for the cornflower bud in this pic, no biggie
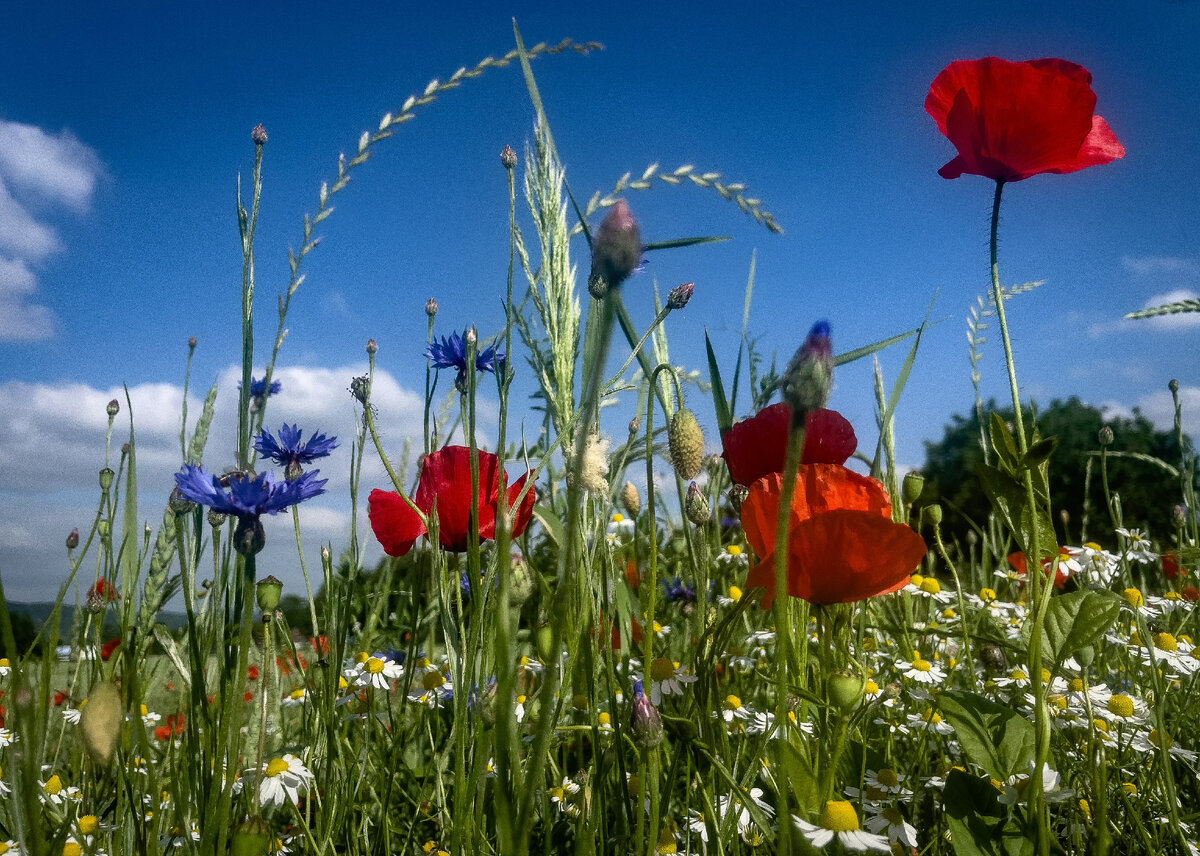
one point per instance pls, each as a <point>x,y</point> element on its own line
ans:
<point>216,519</point>
<point>372,347</point>
<point>249,537</point>
<point>73,538</point>
<point>113,408</point>
<point>1178,517</point>
<point>1173,385</point>
<point>737,495</point>
<point>635,425</point>
<point>1105,436</point>
<point>191,343</point>
<point>809,376</point>
<point>686,443</point>
<point>178,503</point>
<point>680,295</point>
<point>646,722</point>
<point>259,134</point>
<point>431,307</point>
<point>616,250</point>
<point>360,388</point>
<point>695,506</point>
<point>508,158</point>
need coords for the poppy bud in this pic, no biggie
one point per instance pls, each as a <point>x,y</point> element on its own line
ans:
<point>680,295</point>
<point>914,483</point>
<point>809,376</point>
<point>1105,436</point>
<point>646,722</point>
<point>844,690</point>
<point>249,537</point>
<point>695,506</point>
<point>935,514</point>
<point>251,837</point>
<point>106,478</point>
<point>630,499</point>
<point>686,442</point>
<point>1085,655</point>
<point>508,158</point>
<point>259,134</point>
<point>104,528</point>
<point>544,639</point>
<point>616,250</point>
<point>73,538</point>
<point>113,408</point>
<point>267,592</point>
<point>100,722</point>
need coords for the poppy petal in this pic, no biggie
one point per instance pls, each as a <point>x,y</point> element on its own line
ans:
<point>757,446</point>
<point>396,526</point>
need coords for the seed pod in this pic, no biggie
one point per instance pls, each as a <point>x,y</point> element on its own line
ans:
<point>686,442</point>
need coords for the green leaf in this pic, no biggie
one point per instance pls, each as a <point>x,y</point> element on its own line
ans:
<point>802,777</point>
<point>1040,452</point>
<point>1011,503</point>
<point>1076,620</point>
<point>867,350</point>
<point>550,521</point>
<point>1003,443</point>
<point>720,402</point>
<point>973,814</point>
<point>684,242</point>
<point>994,736</point>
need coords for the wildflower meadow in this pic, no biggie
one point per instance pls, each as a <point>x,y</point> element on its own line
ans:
<point>782,647</point>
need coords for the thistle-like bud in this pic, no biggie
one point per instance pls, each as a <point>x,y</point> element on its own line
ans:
<point>508,158</point>
<point>259,134</point>
<point>372,346</point>
<point>646,722</point>
<point>686,443</point>
<point>695,506</point>
<point>809,376</point>
<point>635,425</point>
<point>631,501</point>
<point>191,343</point>
<point>1178,518</point>
<point>216,519</point>
<point>616,250</point>
<point>106,478</point>
<point>267,592</point>
<point>249,537</point>
<point>360,388</point>
<point>993,657</point>
<point>73,538</point>
<point>113,408</point>
<point>680,295</point>
<point>1173,385</point>
<point>178,503</point>
<point>914,483</point>
<point>1105,436</point>
<point>431,307</point>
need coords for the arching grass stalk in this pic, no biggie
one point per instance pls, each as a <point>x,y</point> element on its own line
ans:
<point>247,222</point>
<point>1033,559</point>
<point>962,603</point>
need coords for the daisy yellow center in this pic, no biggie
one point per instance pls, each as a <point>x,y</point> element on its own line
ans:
<point>53,785</point>
<point>948,613</point>
<point>1135,640</point>
<point>1158,738</point>
<point>1076,685</point>
<point>932,717</point>
<point>921,666</point>
<point>657,627</point>
<point>342,684</point>
<point>735,593</point>
<point>1086,809</point>
<point>661,668</point>
<point>1165,642</point>
<point>987,594</point>
<point>556,793</point>
<point>876,794</point>
<point>3,847</point>
<point>1059,701</point>
<point>363,656</point>
<point>1121,705</point>
<point>374,666</point>
<point>887,777</point>
<point>893,816</point>
<point>72,848</point>
<point>1133,597</point>
<point>839,816</point>
<point>732,702</point>
<point>1019,675</point>
<point>931,586</point>
<point>1101,725</point>
<point>1045,676</point>
<point>432,680</point>
<point>1172,595</point>
<point>871,688</point>
<point>296,694</point>
<point>618,517</point>
<point>605,718</point>
<point>733,550</point>
<point>917,580</point>
<point>1129,788</point>
<point>4,664</point>
<point>276,766</point>
<point>89,824</point>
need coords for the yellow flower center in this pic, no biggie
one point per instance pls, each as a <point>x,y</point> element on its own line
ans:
<point>893,816</point>
<point>1086,809</point>
<point>1059,701</point>
<point>521,699</point>
<point>1019,675</point>
<point>921,666</point>
<point>432,680</point>
<point>871,688</point>
<point>296,694</point>
<point>1172,595</point>
<point>1121,705</point>
<point>618,517</point>
<point>1101,725</point>
<point>72,848</point>
<point>1045,676</point>
<point>276,766</point>
<point>3,847</point>
<point>916,580</point>
<point>1158,738</point>
<point>657,627</point>
<point>932,717</point>
<point>733,550</point>
<point>1135,640</point>
<point>374,666</point>
<point>53,785</point>
<point>948,613</point>
<point>735,593</point>
<point>89,824</point>
<point>1165,642</point>
<point>362,657</point>
<point>1076,685</point>
<point>732,702</point>
<point>887,777</point>
<point>342,684</point>
<point>931,586</point>
<point>987,594</point>
<point>4,664</point>
<point>839,816</point>
<point>604,718</point>
<point>661,668</point>
<point>1133,597</point>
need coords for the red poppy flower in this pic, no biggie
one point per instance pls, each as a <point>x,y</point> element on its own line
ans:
<point>1017,560</point>
<point>1013,120</point>
<point>252,673</point>
<point>757,446</point>
<point>446,480</point>
<point>105,591</point>
<point>1190,593</point>
<point>842,545</point>
<point>106,651</point>
<point>1170,565</point>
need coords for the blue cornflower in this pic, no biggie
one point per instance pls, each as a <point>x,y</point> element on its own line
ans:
<point>289,452</point>
<point>677,591</point>
<point>258,388</point>
<point>246,497</point>
<point>451,353</point>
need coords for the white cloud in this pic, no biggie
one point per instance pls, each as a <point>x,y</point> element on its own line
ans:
<point>40,173</point>
<point>1158,265</point>
<point>52,448</point>
<point>1159,408</point>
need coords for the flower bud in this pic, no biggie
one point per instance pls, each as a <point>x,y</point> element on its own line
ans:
<point>695,506</point>
<point>178,503</point>
<point>844,690</point>
<point>216,519</point>
<point>809,376</point>
<point>360,388</point>
<point>680,295</point>
<point>1085,656</point>
<point>1105,436</point>
<point>73,538</point>
<point>935,514</point>
<point>431,307</point>
<point>104,528</point>
<point>646,722</point>
<point>267,591</point>
<point>635,425</point>
<point>487,705</point>
<point>1173,385</point>
<point>544,638</point>
<point>249,537</point>
<point>1178,517</point>
<point>100,722</point>
<point>113,408</point>
<point>521,583</point>
<point>191,343</point>
<point>630,500</point>
<point>372,346</point>
<point>686,443</point>
<point>914,483</point>
<point>106,478</point>
<point>737,495</point>
<point>616,250</point>
<point>252,837</point>
<point>508,158</point>
<point>259,134</point>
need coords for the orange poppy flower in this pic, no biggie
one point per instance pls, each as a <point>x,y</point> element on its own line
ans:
<point>842,545</point>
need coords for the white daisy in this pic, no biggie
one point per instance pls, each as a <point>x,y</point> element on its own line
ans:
<point>282,780</point>
<point>887,820</point>
<point>921,670</point>
<point>667,678</point>
<point>839,820</point>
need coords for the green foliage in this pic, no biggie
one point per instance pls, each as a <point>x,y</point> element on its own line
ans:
<point>1077,619</point>
<point>979,824</point>
<point>996,737</point>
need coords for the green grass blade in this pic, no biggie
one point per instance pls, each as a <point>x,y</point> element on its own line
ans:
<point>720,403</point>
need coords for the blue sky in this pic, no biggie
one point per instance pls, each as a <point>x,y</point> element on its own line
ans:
<point>123,130</point>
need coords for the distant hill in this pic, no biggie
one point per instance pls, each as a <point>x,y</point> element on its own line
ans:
<point>39,612</point>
